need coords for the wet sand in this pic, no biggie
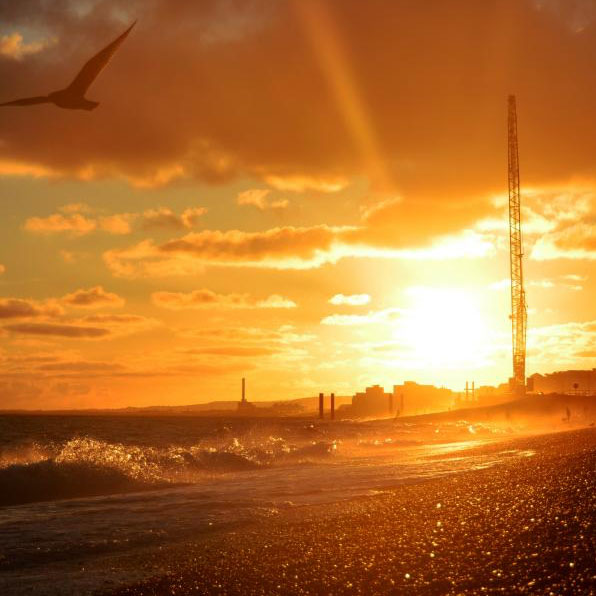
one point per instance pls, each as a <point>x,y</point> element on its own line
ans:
<point>525,526</point>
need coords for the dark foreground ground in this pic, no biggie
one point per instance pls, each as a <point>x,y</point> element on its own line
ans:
<point>527,526</point>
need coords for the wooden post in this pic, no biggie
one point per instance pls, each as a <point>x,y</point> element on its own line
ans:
<point>333,406</point>
<point>321,407</point>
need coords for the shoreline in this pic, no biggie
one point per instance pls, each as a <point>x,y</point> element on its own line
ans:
<point>523,526</point>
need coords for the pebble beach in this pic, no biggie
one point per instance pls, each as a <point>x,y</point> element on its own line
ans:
<point>523,527</point>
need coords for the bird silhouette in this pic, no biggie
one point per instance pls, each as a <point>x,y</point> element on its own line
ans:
<point>73,96</point>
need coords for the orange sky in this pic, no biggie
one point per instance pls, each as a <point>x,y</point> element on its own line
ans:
<point>310,194</point>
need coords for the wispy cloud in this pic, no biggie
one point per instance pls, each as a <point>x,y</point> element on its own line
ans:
<point>78,219</point>
<point>257,197</point>
<point>350,299</point>
<point>208,299</point>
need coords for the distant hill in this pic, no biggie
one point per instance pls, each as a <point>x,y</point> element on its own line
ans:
<point>301,405</point>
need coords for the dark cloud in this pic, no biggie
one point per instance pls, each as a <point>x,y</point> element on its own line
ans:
<point>49,329</point>
<point>411,93</point>
<point>95,297</point>
<point>81,366</point>
<point>14,308</point>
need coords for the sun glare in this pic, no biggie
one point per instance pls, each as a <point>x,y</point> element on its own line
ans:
<point>444,328</point>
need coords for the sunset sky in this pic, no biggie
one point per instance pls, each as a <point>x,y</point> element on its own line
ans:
<point>311,194</point>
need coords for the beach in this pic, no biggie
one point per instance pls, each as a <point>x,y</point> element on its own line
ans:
<point>525,526</point>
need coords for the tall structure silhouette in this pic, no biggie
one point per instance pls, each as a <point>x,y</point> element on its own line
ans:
<point>519,314</point>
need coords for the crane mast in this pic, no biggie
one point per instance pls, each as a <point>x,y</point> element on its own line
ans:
<point>519,314</point>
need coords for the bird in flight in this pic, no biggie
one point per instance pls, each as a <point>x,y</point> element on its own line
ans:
<point>73,96</point>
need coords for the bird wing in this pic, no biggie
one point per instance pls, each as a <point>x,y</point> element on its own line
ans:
<point>27,101</point>
<point>95,65</point>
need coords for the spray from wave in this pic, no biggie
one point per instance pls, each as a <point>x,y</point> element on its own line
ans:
<point>85,467</point>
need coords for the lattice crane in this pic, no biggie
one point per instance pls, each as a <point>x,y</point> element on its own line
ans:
<point>519,313</point>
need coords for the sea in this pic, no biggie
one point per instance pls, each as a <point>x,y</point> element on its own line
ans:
<point>83,497</point>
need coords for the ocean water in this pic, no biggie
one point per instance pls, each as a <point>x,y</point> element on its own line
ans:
<point>82,495</point>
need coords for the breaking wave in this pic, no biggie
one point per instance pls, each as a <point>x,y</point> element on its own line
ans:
<point>85,467</point>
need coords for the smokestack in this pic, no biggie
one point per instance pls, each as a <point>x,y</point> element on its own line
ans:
<point>243,390</point>
<point>321,413</point>
<point>333,406</point>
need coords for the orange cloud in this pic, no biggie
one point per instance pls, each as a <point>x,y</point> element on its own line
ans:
<point>51,329</point>
<point>95,297</point>
<point>257,197</point>
<point>164,217</point>
<point>307,97</point>
<point>232,351</point>
<point>14,308</point>
<point>76,224</point>
<point>208,299</point>
<point>13,46</point>
<point>116,224</point>
<point>72,220</point>
<point>288,247</point>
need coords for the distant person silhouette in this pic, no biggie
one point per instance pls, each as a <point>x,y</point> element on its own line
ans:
<point>73,96</point>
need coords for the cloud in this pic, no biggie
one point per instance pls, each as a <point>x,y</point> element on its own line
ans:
<point>146,260</point>
<point>288,247</point>
<point>116,224</point>
<point>76,224</point>
<point>14,308</point>
<point>301,183</point>
<point>573,242</point>
<point>119,325</point>
<point>373,317</point>
<point>208,299</point>
<point>192,216</point>
<point>233,351</point>
<point>81,366</point>
<point>301,246</point>
<point>13,46</point>
<point>53,330</point>
<point>72,220</point>
<point>116,319</point>
<point>563,343</point>
<point>95,297</point>
<point>407,222</point>
<point>351,299</point>
<point>341,93</point>
<point>285,247</point>
<point>163,217</point>
<point>568,222</point>
<point>257,197</point>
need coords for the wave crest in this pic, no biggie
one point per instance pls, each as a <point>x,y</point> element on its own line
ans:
<point>85,466</point>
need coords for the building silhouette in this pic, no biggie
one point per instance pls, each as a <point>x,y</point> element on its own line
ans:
<point>569,382</point>
<point>373,401</point>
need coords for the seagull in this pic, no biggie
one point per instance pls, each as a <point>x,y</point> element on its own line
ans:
<point>73,96</point>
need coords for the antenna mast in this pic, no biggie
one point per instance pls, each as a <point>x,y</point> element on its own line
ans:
<point>519,315</point>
